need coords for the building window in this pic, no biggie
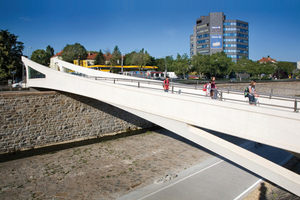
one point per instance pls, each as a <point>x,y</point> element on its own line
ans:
<point>203,51</point>
<point>235,51</point>
<point>203,46</point>
<point>235,24</point>
<point>235,40</point>
<point>202,41</point>
<point>229,45</point>
<point>202,36</point>
<point>202,31</point>
<point>201,26</point>
<point>236,29</point>
<point>235,35</point>
<point>236,45</point>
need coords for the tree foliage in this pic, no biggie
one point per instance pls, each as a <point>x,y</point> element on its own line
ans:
<point>181,65</point>
<point>43,57</point>
<point>99,59</point>
<point>10,55</point>
<point>40,56</point>
<point>115,57</point>
<point>211,65</point>
<point>286,67</point>
<point>49,51</point>
<point>74,52</point>
<point>141,59</point>
<point>160,64</point>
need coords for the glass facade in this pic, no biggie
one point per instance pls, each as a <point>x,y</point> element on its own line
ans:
<point>233,34</point>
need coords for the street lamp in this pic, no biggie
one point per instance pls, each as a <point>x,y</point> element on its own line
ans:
<point>122,63</point>
<point>166,65</point>
<point>27,51</point>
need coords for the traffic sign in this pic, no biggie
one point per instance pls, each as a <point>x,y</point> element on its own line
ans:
<point>13,72</point>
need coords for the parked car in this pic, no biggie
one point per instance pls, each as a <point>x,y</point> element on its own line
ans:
<point>18,85</point>
<point>233,80</point>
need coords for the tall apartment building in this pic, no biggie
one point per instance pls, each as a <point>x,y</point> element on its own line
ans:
<point>213,33</point>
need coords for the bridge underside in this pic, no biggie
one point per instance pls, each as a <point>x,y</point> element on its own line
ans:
<point>182,114</point>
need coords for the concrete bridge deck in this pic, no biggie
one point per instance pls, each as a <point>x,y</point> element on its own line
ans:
<point>192,116</point>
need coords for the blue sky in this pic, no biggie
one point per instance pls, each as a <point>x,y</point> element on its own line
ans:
<point>161,27</point>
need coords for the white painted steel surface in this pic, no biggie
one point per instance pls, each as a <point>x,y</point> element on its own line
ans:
<point>182,113</point>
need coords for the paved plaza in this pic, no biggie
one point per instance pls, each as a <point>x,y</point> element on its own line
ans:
<point>99,170</point>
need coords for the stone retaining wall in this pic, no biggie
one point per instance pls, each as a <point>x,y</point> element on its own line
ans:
<point>36,119</point>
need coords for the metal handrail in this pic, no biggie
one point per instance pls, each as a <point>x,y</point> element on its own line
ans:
<point>197,87</point>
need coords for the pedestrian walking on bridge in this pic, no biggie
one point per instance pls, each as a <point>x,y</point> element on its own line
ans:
<point>166,84</point>
<point>252,93</point>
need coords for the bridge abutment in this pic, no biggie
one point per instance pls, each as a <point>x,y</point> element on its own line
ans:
<point>37,119</point>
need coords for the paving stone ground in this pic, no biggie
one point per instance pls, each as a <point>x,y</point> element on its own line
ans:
<point>101,170</point>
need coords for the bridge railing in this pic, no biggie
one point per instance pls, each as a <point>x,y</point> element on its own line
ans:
<point>178,89</point>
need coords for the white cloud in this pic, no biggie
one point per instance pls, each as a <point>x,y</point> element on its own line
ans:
<point>25,18</point>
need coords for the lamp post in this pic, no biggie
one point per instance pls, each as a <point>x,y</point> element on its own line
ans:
<point>27,51</point>
<point>166,65</point>
<point>122,63</point>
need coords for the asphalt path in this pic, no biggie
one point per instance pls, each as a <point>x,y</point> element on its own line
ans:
<point>215,178</point>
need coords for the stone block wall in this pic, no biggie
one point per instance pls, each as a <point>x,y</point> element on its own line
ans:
<point>36,119</point>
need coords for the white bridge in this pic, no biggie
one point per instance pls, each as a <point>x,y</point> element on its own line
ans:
<point>186,111</point>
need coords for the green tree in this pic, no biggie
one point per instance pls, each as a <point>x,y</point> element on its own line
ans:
<point>115,57</point>
<point>201,63</point>
<point>99,59</point>
<point>40,56</point>
<point>49,51</point>
<point>151,61</point>
<point>220,63</point>
<point>140,59</point>
<point>74,52</point>
<point>128,58</point>
<point>43,57</point>
<point>182,64</point>
<point>10,55</point>
<point>286,67</point>
<point>252,67</point>
<point>160,63</point>
<point>268,68</point>
<point>239,66</point>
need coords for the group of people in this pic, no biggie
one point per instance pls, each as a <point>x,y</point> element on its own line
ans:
<point>211,90</point>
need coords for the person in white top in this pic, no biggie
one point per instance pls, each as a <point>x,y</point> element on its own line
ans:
<point>208,89</point>
<point>252,93</point>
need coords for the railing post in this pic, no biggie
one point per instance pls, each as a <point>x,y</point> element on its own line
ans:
<point>114,81</point>
<point>295,106</point>
<point>221,96</point>
<point>95,78</point>
<point>172,88</point>
<point>271,93</point>
<point>138,84</point>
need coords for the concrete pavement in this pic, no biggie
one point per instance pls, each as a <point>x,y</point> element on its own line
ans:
<point>213,179</point>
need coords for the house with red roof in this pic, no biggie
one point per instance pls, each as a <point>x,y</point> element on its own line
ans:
<point>267,59</point>
<point>52,64</point>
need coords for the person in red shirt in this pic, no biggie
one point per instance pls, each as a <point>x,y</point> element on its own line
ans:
<point>166,84</point>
